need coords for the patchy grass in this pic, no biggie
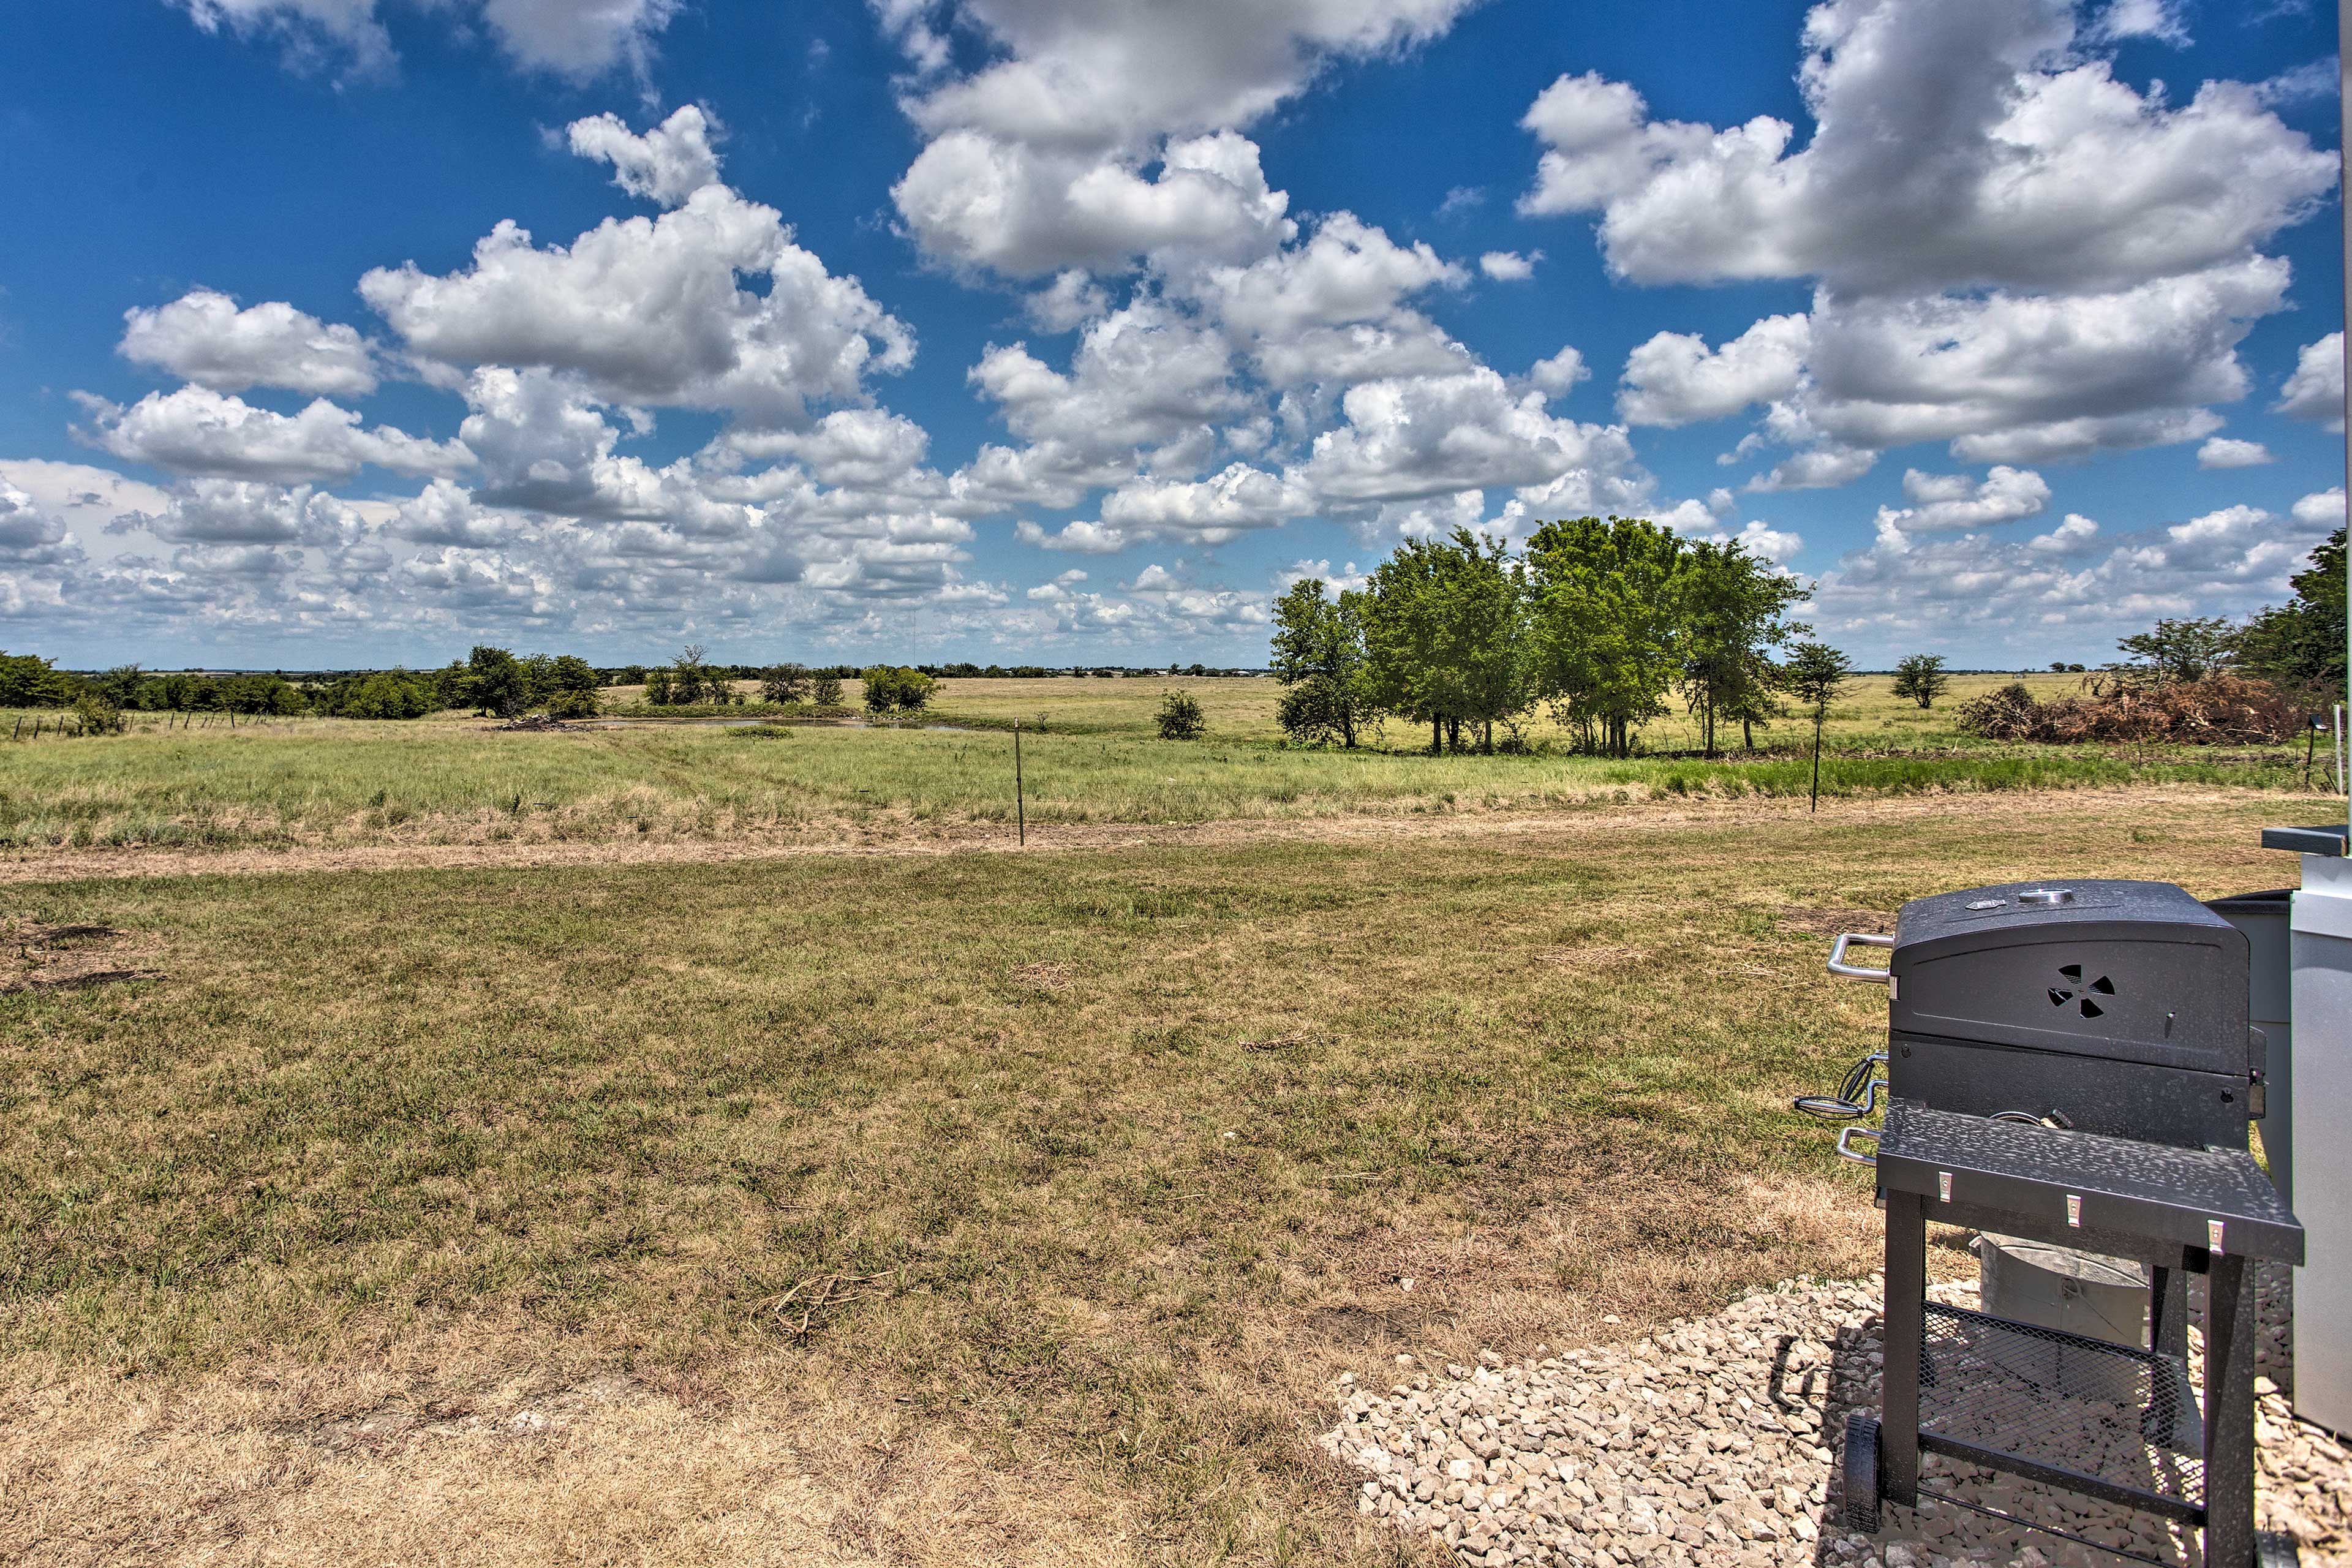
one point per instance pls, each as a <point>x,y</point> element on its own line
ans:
<point>333,783</point>
<point>1012,1208</point>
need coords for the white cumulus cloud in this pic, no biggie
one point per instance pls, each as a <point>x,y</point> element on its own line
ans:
<point>204,337</point>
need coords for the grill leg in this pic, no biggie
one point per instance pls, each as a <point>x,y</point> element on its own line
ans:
<point>2229,1414</point>
<point>1906,1326</point>
<point>2167,1312</point>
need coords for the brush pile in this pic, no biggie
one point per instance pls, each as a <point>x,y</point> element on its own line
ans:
<point>2122,708</point>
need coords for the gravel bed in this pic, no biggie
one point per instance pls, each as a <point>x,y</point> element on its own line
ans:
<point>1715,1442</point>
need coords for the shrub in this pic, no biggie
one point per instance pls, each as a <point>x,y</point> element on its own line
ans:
<point>1181,718</point>
<point>571,704</point>
<point>98,716</point>
<point>2118,707</point>
<point>825,690</point>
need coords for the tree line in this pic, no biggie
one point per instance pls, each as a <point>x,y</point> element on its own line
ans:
<point>1598,620</point>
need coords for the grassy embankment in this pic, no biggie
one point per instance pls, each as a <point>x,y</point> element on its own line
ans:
<point>333,783</point>
<point>942,1210</point>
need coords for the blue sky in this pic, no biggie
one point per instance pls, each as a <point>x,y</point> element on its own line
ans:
<point>1073,330</point>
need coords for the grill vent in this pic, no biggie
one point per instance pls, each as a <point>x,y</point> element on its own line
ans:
<point>2074,991</point>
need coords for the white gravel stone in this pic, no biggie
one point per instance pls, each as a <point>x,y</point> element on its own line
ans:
<point>1713,1441</point>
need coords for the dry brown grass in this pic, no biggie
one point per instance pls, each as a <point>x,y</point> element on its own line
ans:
<point>915,1208</point>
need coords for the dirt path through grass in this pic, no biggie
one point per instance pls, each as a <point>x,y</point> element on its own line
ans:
<point>899,834</point>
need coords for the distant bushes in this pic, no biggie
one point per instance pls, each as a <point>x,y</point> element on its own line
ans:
<point>388,694</point>
<point>2121,707</point>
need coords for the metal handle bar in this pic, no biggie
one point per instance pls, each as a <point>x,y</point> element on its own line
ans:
<point>1846,1153</point>
<point>1838,965</point>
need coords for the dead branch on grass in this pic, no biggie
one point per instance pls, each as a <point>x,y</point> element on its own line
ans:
<point>45,961</point>
<point>1287,1042</point>
<point>824,1292</point>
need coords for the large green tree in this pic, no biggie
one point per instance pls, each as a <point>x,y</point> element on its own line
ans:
<point>1730,610</point>
<point>1318,656</point>
<point>496,683</point>
<point>1602,639</point>
<point>2301,642</point>
<point>1444,633</point>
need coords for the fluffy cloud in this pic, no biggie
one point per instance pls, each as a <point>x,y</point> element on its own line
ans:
<point>665,165</point>
<point>2224,452</point>
<point>1816,469</point>
<point>1144,389</point>
<point>1411,439</point>
<point>2321,511</point>
<point>1350,271</point>
<point>1676,379</point>
<point>978,202</point>
<point>575,38</point>
<point>1084,538</point>
<point>1115,72</point>
<point>2002,377</point>
<point>244,512</point>
<point>1210,511</point>
<point>198,431</point>
<point>1968,141</point>
<point>1941,501</point>
<point>870,450</point>
<point>1045,158</point>
<point>2059,264</point>
<point>30,536</point>
<point>1509,265</point>
<point>2315,390</point>
<point>1561,372</point>
<point>203,337</point>
<point>654,311</point>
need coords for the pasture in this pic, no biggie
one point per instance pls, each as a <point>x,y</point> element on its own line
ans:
<point>1091,757</point>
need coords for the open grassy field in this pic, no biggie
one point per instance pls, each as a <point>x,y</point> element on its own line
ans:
<point>919,1209</point>
<point>312,783</point>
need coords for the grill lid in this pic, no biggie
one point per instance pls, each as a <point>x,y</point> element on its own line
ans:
<point>2129,971</point>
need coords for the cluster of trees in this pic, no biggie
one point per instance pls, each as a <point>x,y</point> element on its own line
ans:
<point>490,681</point>
<point>1599,620</point>
<point>898,690</point>
<point>783,683</point>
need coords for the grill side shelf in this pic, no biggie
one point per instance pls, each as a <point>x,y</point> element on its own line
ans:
<point>2089,1181</point>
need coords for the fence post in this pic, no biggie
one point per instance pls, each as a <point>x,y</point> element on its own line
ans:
<point>1019,809</point>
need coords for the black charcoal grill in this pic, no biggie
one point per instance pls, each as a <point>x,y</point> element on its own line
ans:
<point>2068,1062</point>
<point>2114,1007</point>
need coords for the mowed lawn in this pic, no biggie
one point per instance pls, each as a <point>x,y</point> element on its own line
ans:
<point>330,783</point>
<point>919,1209</point>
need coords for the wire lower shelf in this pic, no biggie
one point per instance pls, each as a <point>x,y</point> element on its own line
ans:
<point>2109,1421</point>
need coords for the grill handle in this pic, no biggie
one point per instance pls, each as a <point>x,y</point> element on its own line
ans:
<point>1839,966</point>
<point>1845,1151</point>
